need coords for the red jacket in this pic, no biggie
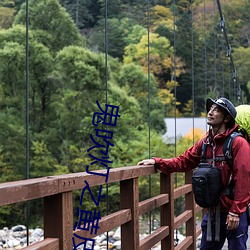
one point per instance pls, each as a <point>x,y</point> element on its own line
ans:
<point>241,167</point>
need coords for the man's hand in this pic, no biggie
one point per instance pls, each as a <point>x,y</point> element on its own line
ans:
<point>146,162</point>
<point>232,221</point>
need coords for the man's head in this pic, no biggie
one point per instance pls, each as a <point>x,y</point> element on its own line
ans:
<point>225,106</point>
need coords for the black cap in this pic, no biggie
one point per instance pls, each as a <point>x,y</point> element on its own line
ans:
<point>223,103</point>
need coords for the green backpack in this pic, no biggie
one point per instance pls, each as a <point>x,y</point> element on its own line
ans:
<point>243,120</point>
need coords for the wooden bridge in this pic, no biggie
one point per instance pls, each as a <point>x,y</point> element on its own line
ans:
<point>56,192</point>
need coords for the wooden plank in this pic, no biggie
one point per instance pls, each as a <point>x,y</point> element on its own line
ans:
<point>58,219</point>
<point>129,196</point>
<point>152,203</point>
<point>106,223</point>
<point>185,244</point>
<point>190,205</point>
<point>178,192</point>
<point>49,243</point>
<point>198,209</point>
<point>198,231</point>
<point>154,238</point>
<point>24,190</point>
<point>182,218</point>
<point>71,182</point>
<point>167,210</point>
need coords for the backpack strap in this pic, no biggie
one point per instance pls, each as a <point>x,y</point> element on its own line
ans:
<point>227,148</point>
<point>203,152</point>
<point>203,158</point>
<point>227,151</point>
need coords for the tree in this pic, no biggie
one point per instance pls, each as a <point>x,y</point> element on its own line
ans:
<point>53,25</point>
<point>118,32</point>
<point>161,63</point>
<point>79,73</point>
<point>40,60</point>
<point>161,16</point>
<point>6,17</point>
<point>242,64</point>
<point>131,9</point>
<point>42,162</point>
<point>237,17</point>
<point>12,77</point>
<point>85,13</point>
<point>136,82</point>
<point>161,57</point>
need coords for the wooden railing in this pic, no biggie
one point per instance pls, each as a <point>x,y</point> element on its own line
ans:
<point>56,192</point>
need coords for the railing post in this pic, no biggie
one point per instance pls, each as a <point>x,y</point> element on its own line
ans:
<point>58,219</point>
<point>190,205</point>
<point>167,210</point>
<point>129,198</point>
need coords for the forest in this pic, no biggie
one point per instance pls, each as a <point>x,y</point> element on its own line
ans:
<point>152,59</point>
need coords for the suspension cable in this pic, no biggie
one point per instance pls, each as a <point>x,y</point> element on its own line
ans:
<point>149,121</point>
<point>215,52</point>
<point>174,74</point>
<point>192,76</point>
<point>229,53</point>
<point>205,50</point>
<point>221,68</point>
<point>106,94</point>
<point>27,206</point>
<point>175,95</point>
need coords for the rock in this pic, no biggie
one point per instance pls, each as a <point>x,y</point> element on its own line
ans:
<point>18,234</point>
<point>15,238</point>
<point>3,233</point>
<point>117,245</point>
<point>38,232</point>
<point>111,240</point>
<point>13,243</point>
<point>18,247</point>
<point>18,228</point>
<point>117,234</point>
<point>100,238</point>
<point>111,233</point>
<point>103,243</point>
<point>23,240</point>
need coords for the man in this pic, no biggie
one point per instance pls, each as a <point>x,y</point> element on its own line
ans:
<point>221,115</point>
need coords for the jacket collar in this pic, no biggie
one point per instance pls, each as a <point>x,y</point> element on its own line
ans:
<point>221,136</point>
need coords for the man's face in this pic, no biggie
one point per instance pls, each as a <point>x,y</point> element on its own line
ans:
<point>215,116</point>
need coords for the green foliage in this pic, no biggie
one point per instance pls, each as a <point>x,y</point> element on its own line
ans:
<point>118,32</point>
<point>242,63</point>
<point>12,68</point>
<point>85,13</point>
<point>42,163</point>
<point>161,16</point>
<point>6,17</point>
<point>53,25</point>
<point>12,149</point>
<point>136,34</point>
<point>40,65</point>
<point>78,72</point>
<point>237,13</point>
<point>136,83</point>
<point>160,53</point>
